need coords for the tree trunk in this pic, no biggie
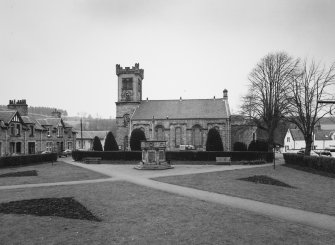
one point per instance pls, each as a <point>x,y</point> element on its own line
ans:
<point>308,141</point>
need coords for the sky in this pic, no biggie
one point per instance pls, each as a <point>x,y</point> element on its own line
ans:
<point>62,53</point>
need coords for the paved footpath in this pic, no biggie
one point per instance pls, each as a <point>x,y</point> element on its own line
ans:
<point>141,177</point>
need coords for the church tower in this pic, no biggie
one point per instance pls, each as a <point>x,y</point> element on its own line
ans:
<point>129,98</point>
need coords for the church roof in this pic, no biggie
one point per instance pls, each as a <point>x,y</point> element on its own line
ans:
<point>182,109</point>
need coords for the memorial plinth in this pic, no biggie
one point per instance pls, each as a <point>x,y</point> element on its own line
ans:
<point>153,156</point>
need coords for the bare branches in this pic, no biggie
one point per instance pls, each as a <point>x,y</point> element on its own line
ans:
<point>266,102</point>
<point>310,85</point>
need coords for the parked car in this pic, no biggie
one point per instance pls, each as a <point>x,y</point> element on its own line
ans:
<point>331,150</point>
<point>46,152</point>
<point>186,147</point>
<point>325,153</point>
<point>65,153</point>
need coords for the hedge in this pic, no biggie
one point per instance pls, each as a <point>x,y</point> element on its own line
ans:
<point>326,164</point>
<point>211,155</point>
<point>10,161</point>
<point>108,155</point>
<point>177,155</point>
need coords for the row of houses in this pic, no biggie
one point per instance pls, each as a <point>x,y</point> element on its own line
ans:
<point>24,133</point>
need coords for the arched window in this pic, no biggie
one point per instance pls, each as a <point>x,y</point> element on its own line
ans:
<point>196,136</point>
<point>178,136</point>
<point>159,133</point>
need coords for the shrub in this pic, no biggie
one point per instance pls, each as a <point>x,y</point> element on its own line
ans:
<point>27,159</point>
<point>240,146</point>
<point>97,144</point>
<point>326,164</point>
<point>258,145</point>
<point>135,139</point>
<point>214,142</point>
<point>110,143</point>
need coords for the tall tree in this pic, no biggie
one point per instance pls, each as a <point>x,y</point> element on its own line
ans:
<point>312,84</point>
<point>137,135</point>
<point>110,143</point>
<point>214,142</point>
<point>97,144</point>
<point>266,103</point>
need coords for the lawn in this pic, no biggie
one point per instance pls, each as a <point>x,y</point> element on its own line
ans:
<point>47,173</point>
<point>133,214</point>
<point>311,192</point>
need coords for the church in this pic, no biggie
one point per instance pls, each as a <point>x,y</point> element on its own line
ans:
<point>178,122</point>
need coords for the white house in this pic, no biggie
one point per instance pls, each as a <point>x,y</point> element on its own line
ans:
<point>294,140</point>
<point>85,139</point>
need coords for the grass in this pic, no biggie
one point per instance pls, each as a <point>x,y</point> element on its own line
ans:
<point>66,207</point>
<point>47,173</point>
<point>19,174</point>
<point>312,192</point>
<point>134,214</point>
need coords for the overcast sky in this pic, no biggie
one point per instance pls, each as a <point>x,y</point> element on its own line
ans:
<point>62,53</point>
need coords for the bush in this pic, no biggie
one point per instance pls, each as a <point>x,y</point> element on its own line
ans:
<point>211,155</point>
<point>110,143</point>
<point>27,159</point>
<point>97,144</point>
<point>240,146</point>
<point>108,155</point>
<point>135,139</point>
<point>214,142</point>
<point>258,145</point>
<point>326,164</point>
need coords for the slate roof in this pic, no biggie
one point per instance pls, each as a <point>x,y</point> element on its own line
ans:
<point>92,134</point>
<point>6,116</point>
<point>319,134</point>
<point>182,109</point>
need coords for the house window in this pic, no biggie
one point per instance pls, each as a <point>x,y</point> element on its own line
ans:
<point>18,147</point>
<point>49,146</point>
<point>31,147</point>
<point>69,145</point>
<point>48,132</point>
<point>59,132</point>
<point>31,131</point>
<point>12,129</point>
<point>18,129</point>
<point>288,139</point>
<point>178,136</point>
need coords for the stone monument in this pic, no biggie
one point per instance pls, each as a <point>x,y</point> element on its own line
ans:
<point>153,156</point>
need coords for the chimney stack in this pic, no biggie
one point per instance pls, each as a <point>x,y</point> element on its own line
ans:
<point>19,105</point>
<point>225,94</point>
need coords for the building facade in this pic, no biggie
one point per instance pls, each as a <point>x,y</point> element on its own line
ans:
<point>178,122</point>
<point>24,133</point>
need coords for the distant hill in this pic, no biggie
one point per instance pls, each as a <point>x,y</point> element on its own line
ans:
<point>92,124</point>
<point>39,110</point>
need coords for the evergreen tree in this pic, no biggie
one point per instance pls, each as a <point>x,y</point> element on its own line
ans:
<point>110,143</point>
<point>214,142</point>
<point>240,146</point>
<point>258,145</point>
<point>97,144</point>
<point>135,139</point>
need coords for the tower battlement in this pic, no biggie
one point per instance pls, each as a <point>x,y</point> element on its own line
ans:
<point>127,70</point>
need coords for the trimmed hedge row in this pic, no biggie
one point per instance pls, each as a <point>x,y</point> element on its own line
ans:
<point>326,164</point>
<point>211,155</point>
<point>177,155</point>
<point>27,159</point>
<point>108,155</point>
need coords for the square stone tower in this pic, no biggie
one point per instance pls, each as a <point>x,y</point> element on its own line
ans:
<point>129,98</point>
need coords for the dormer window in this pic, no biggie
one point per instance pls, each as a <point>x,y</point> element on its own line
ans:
<point>12,129</point>
<point>59,132</point>
<point>48,132</point>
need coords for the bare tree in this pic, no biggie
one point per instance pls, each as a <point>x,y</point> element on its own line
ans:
<point>266,103</point>
<point>312,84</point>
